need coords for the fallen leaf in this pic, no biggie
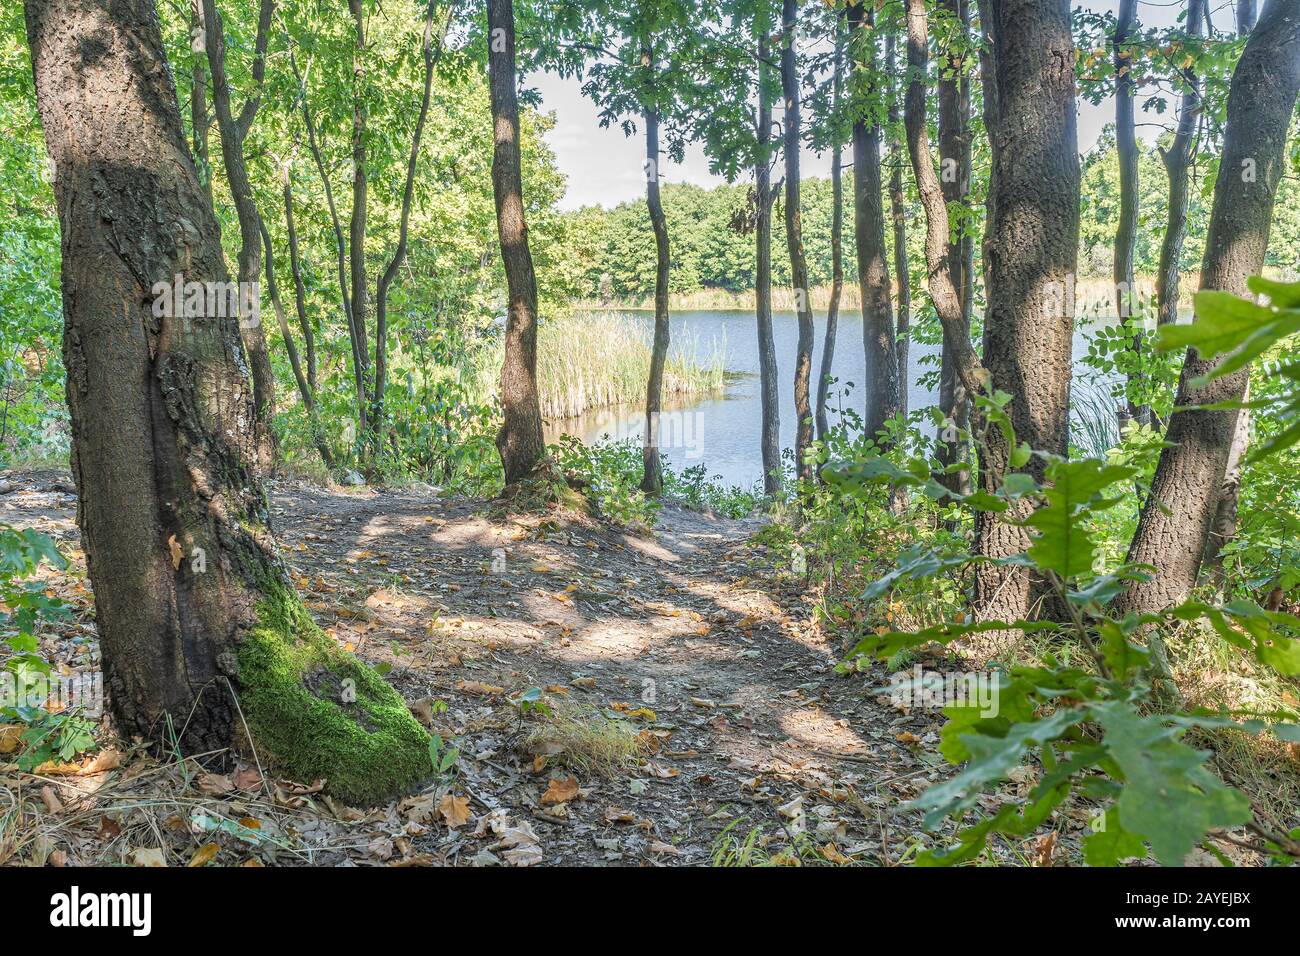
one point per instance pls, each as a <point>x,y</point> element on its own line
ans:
<point>105,760</point>
<point>147,856</point>
<point>454,810</point>
<point>178,553</point>
<point>204,855</point>
<point>51,800</point>
<point>479,688</point>
<point>10,737</point>
<point>560,791</point>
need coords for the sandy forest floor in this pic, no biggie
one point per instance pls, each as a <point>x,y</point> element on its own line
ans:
<point>690,638</point>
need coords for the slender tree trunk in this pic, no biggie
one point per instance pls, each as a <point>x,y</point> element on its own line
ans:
<point>357,228</point>
<point>954,180</point>
<point>520,440</point>
<point>1177,160</point>
<point>199,118</point>
<point>1126,234</point>
<point>769,392</point>
<point>1175,523</point>
<point>431,46</point>
<point>232,130</point>
<point>1245,16</point>
<point>355,335</point>
<point>793,130</point>
<point>883,390</point>
<point>837,242</point>
<point>652,479</point>
<point>898,219</point>
<point>1031,257</point>
<point>299,289</point>
<point>193,604</point>
<point>305,390</point>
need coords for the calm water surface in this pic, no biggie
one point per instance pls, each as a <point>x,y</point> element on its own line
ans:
<point>722,431</point>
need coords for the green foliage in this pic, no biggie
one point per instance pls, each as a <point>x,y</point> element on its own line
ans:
<point>23,672</point>
<point>1095,727</point>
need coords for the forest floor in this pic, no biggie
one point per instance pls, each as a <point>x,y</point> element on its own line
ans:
<point>695,715</point>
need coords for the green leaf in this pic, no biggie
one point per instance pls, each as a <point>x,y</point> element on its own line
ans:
<point>1112,843</point>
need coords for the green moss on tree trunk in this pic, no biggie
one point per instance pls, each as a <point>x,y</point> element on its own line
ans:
<point>321,713</point>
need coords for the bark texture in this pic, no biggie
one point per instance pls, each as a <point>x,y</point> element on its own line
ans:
<point>883,388</point>
<point>520,439</point>
<point>193,603</point>
<point>793,134</point>
<point>1030,259</point>
<point>1126,232</point>
<point>1176,518</point>
<point>652,478</point>
<point>837,244</point>
<point>769,390</point>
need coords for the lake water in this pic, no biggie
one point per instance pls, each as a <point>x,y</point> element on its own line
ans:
<point>722,431</point>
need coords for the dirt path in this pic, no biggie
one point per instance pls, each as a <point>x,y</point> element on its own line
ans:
<point>690,638</point>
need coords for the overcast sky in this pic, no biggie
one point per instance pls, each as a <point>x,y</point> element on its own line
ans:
<point>603,166</point>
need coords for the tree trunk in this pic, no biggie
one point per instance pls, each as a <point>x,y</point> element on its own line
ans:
<point>520,439</point>
<point>295,362</point>
<point>1177,160</point>
<point>883,390</point>
<point>1175,523</point>
<point>232,131</point>
<point>199,118</point>
<point>769,391</point>
<point>1245,17</point>
<point>1126,233</point>
<point>793,135</point>
<point>898,219</point>
<point>1030,257</point>
<point>431,51</point>
<point>193,604</point>
<point>954,180</point>
<point>299,289</point>
<point>357,230</point>
<point>652,478</point>
<point>837,241</point>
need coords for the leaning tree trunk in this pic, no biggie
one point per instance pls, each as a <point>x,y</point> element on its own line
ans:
<point>837,242</point>
<point>194,608</point>
<point>1031,257</point>
<point>357,235</point>
<point>1126,233</point>
<point>652,478</point>
<point>883,389</point>
<point>769,392</point>
<point>793,130</point>
<point>1175,523</point>
<point>233,129</point>
<point>954,180</point>
<point>520,439</point>
<point>1177,161</point>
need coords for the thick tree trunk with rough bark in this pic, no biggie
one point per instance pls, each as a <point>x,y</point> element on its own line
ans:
<point>1176,519</point>
<point>837,245</point>
<point>954,179</point>
<point>520,440</point>
<point>769,390</point>
<point>793,134</point>
<point>193,604</point>
<point>652,478</point>
<point>357,228</point>
<point>1177,160</point>
<point>883,388</point>
<point>1031,256</point>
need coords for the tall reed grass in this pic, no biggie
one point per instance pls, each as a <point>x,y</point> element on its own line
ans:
<point>589,360</point>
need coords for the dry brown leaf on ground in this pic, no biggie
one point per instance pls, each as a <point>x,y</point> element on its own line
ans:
<point>560,791</point>
<point>454,810</point>
<point>204,855</point>
<point>147,856</point>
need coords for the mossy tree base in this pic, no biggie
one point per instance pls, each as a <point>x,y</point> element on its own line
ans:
<point>321,714</point>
